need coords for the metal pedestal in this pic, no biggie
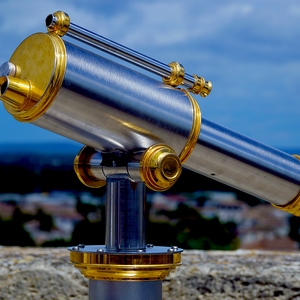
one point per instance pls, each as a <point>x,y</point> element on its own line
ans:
<point>115,290</point>
<point>125,267</point>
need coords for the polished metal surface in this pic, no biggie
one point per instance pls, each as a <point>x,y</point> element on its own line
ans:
<point>245,164</point>
<point>125,215</point>
<point>116,290</point>
<point>107,106</point>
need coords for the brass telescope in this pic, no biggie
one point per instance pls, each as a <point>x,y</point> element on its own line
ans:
<point>138,131</point>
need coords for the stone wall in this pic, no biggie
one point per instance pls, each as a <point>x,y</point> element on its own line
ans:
<point>39,273</point>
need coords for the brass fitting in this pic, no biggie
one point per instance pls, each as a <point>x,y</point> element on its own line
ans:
<point>293,207</point>
<point>33,78</point>
<point>195,130</point>
<point>19,93</point>
<point>95,263</point>
<point>82,168</point>
<point>176,76</point>
<point>201,86</point>
<point>160,167</point>
<point>58,23</point>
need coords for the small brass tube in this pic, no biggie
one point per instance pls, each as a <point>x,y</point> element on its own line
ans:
<point>14,91</point>
<point>18,92</point>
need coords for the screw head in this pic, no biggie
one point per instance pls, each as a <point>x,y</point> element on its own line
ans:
<point>173,249</point>
<point>150,246</point>
<point>100,250</point>
<point>75,248</point>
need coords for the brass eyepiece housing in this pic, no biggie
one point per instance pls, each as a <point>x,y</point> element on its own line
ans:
<point>160,167</point>
<point>19,93</point>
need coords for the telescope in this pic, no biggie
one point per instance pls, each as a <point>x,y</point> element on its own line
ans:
<point>138,132</point>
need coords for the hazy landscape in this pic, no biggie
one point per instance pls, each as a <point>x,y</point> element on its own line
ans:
<point>42,203</point>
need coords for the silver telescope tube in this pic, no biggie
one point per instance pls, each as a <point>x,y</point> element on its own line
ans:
<point>102,104</point>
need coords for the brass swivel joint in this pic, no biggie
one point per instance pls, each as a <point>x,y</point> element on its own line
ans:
<point>159,168</point>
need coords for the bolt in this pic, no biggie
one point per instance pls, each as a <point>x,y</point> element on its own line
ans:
<point>76,248</point>
<point>81,246</point>
<point>150,246</point>
<point>140,250</point>
<point>100,250</point>
<point>173,249</point>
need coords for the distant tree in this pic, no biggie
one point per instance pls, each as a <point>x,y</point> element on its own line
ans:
<point>85,231</point>
<point>294,232</point>
<point>192,231</point>
<point>14,234</point>
<point>45,220</point>
<point>17,179</point>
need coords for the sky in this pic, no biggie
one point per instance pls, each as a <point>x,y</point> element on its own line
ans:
<point>249,50</point>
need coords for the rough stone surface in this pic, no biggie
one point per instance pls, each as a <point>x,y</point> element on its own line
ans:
<point>235,275</point>
<point>39,273</point>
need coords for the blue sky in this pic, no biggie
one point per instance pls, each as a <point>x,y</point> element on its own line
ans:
<point>250,50</point>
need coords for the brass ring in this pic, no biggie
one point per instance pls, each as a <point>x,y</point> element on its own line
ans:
<point>81,168</point>
<point>125,267</point>
<point>160,167</point>
<point>195,131</point>
<point>177,74</point>
<point>198,85</point>
<point>59,23</point>
<point>293,207</point>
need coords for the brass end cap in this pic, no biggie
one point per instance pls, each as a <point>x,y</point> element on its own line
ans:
<point>32,78</point>
<point>58,23</point>
<point>160,167</point>
<point>81,167</point>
